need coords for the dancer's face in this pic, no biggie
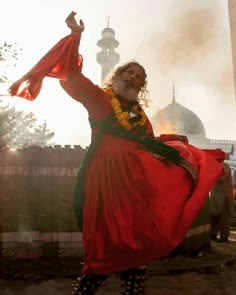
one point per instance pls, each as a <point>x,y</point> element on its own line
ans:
<point>129,83</point>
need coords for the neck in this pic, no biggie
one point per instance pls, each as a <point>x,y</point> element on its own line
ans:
<point>128,102</point>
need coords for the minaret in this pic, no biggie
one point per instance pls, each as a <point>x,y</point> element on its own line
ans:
<point>107,57</point>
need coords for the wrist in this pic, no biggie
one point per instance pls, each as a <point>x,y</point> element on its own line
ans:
<point>76,36</point>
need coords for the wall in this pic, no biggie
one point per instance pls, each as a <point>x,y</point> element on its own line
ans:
<point>36,214</point>
<point>36,188</point>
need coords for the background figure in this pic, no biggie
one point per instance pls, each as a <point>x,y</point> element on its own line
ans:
<point>234,188</point>
<point>222,206</point>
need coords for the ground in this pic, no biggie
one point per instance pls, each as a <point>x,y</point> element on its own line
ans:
<point>212,271</point>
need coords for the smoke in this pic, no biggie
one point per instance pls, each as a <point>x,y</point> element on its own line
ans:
<point>193,50</point>
<point>195,47</point>
<point>186,41</point>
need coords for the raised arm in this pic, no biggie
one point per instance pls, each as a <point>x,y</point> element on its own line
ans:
<point>76,84</point>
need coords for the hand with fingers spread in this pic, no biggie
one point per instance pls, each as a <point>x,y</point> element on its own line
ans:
<point>76,29</point>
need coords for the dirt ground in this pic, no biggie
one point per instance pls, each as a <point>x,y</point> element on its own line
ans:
<point>210,272</point>
<point>221,282</point>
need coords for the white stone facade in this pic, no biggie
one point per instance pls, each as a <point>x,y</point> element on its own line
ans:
<point>232,22</point>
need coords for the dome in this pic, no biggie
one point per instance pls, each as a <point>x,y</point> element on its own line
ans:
<point>175,118</point>
<point>108,32</point>
<point>108,39</point>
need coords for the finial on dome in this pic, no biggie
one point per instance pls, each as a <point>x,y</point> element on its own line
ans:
<point>108,21</point>
<point>173,93</point>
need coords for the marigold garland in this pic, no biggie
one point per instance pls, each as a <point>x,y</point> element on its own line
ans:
<point>123,117</point>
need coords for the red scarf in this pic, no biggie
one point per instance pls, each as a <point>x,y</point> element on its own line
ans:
<point>56,63</point>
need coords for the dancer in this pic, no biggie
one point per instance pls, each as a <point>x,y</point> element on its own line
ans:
<point>136,195</point>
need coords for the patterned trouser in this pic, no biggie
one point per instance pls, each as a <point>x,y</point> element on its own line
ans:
<point>132,282</point>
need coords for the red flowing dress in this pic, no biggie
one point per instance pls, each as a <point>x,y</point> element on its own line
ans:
<point>137,208</point>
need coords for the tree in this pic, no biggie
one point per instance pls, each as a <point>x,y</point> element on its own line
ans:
<point>9,54</point>
<point>17,128</point>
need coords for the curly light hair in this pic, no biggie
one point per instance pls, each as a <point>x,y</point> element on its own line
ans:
<point>143,93</point>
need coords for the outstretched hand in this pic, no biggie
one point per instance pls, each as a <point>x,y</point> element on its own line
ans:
<point>76,29</point>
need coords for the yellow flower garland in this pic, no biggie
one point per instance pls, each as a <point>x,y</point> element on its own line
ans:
<point>124,116</point>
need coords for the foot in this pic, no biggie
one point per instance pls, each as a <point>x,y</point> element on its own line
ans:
<point>88,284</point>
<point>133,282</point>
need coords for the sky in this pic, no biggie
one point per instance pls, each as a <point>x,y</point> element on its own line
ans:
<point>185,42</point>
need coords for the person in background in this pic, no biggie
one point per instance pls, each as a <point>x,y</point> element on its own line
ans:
<point>136,195</point>
<point>222,206</point>
<point>234,186</point>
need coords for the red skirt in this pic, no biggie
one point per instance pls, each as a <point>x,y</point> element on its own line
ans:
<point>137,208</point>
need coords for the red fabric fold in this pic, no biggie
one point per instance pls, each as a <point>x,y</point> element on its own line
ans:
<point>217,154</point>
<point>171,137</point>
<point>56,63</point>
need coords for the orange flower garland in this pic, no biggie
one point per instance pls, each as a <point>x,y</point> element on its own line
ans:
<point>123,117</point>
